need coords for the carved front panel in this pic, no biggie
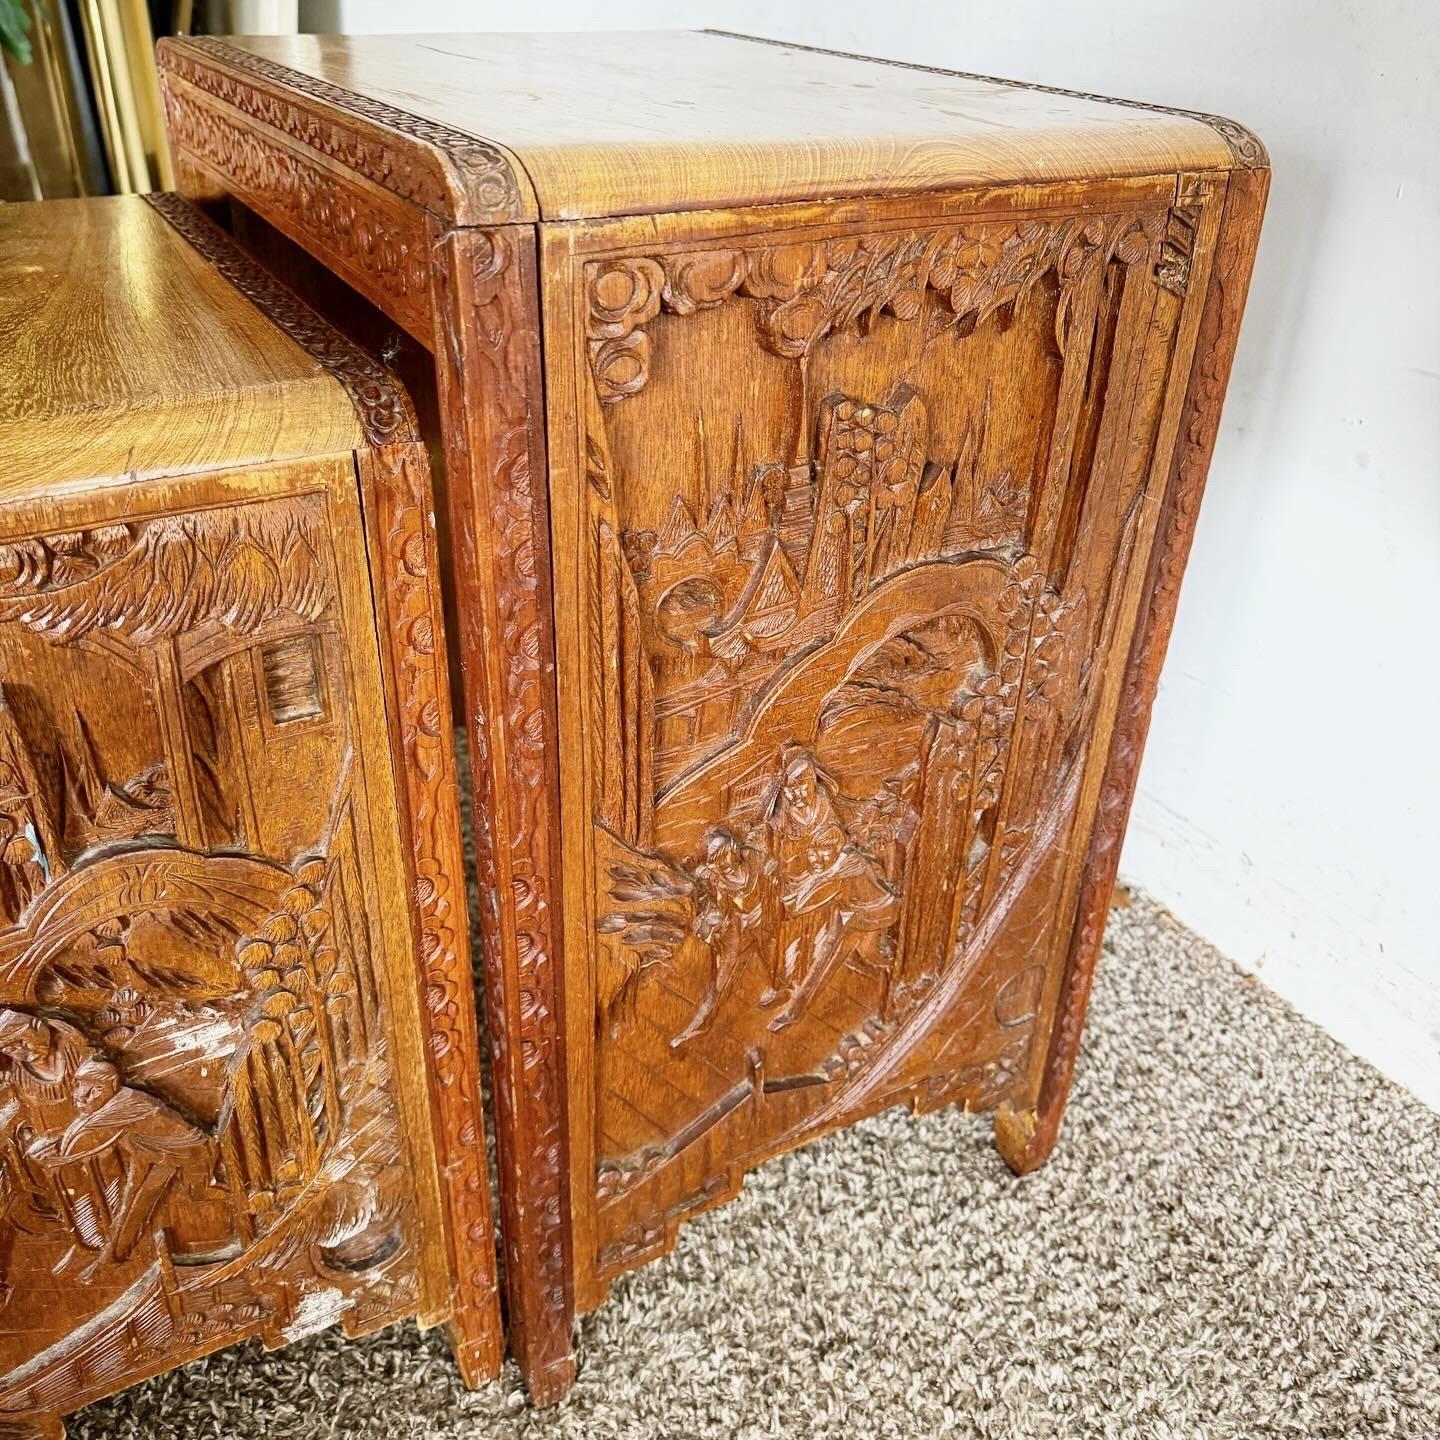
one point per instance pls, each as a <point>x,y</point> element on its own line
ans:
<point>199,1137</point>
<point>860,512</point>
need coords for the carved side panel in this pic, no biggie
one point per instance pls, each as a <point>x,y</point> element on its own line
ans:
<point>199,1136</point>
<point>859,516</point>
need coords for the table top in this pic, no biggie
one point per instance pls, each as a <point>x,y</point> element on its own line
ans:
<point>123,351</point>
<point>602,124</point>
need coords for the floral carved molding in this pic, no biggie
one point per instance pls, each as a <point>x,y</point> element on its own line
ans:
<point>809,289</point>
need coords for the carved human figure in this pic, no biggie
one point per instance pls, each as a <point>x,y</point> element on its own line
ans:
<point>732,882</point>
<point>165,1165</point>
<point>835,903</point>
<point>39,1058</point>
<point>28,853</point>
<point>22,869</point>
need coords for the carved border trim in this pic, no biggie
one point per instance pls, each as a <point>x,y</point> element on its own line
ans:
<point>405,553</point>
<point>459,177</point>
<point>1245,145</point>
<point>380,401</point>
<point>492,405</point>
<point>374,241</point>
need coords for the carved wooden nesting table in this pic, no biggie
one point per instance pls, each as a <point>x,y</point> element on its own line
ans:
<point>823,443</point>
<point>237,1043</point>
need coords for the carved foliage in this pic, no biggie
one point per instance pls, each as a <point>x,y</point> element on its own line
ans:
<point>238,568</point>
<point>808,289</point>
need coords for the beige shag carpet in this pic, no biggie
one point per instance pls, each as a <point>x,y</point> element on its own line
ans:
<point>1238,1237</point>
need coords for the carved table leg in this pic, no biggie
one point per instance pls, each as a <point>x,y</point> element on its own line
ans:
<point>1025,1136</point>
<point>488,377</point>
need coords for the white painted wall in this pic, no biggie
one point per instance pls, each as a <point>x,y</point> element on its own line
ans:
<point>1290,792</point>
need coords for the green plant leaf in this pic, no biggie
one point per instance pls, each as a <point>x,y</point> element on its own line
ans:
<point>14,28</point>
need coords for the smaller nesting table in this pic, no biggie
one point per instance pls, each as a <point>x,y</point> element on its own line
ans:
<point>237,1040</point>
